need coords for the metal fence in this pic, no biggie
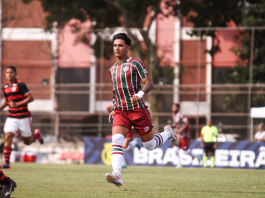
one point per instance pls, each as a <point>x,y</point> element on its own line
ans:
<point>183,71</point>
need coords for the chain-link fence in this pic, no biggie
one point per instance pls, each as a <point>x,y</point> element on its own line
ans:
<point>211,72</point>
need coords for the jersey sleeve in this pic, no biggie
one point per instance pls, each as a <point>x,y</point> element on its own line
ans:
<point>184,118</point>
<point>140,69</point>
<point>215,131</point>
<point>203,130</point>
<point>23,88</point>
<point>113,99</point>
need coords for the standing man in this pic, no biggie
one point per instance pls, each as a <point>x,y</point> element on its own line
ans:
<point>260,135</point>
<point>180,125</point>
<point>129,107</point>
<point>17,97</point>
<point>209,132</point>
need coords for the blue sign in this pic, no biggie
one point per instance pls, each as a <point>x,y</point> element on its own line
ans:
<point>227,155</point>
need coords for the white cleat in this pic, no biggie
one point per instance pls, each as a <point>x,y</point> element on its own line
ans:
<point>114,178</point>
<point>174,137</point>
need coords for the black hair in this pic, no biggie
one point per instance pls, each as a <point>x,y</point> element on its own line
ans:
<point>122,36</point>
<point>11,67</point>
<point>177,104</point>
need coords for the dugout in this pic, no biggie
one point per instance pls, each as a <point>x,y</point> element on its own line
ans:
<point>255,112</point>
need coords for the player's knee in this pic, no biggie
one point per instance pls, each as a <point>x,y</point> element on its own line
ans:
<point>27,143</point>
<point>117,139</point>
<point>9,137</point>
<point>151,145</point>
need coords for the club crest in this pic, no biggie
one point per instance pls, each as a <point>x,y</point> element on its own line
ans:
<point>125,69</point>
<point>13,89</point>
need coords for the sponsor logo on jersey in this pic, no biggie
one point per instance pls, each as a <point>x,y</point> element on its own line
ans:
<point>5,86</point>
<point>146,128</point>
<point>145,71</point>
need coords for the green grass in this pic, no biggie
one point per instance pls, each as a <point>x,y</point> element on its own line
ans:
<point>37,180</point>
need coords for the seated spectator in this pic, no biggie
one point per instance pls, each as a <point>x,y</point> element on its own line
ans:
<point>260,135</point>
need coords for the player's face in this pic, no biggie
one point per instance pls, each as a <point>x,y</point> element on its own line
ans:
<point>120,48</point>
<point>175,109</point>
<point>10,74</point>
<point>260,128</point>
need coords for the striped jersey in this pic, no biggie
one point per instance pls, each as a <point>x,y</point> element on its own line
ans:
<point>179,120</point>
<point>126,78</point>
<point>16,93</point>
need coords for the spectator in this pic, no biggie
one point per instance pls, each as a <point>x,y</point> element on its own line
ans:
<point>260,135</point>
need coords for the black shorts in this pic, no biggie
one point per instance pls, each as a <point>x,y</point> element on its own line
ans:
<point>208,147</point>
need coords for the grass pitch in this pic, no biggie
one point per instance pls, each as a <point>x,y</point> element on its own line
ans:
<point>37,180</point>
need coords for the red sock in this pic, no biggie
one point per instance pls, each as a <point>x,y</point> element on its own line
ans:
<point>7,152</point>
<point>3,179</point>
<point>36,135</point>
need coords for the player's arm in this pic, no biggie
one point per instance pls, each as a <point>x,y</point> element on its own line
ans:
<point>215,144</point>
<point>202,139</point>
<point>148,86</point>
<point>29,98</point>
<point>186,124</point>
<point>3,105</point>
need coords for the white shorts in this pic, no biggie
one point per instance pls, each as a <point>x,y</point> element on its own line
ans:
<point>22,124</point>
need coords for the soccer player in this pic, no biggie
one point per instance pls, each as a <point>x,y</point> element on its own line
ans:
<point>7,185</point>
<point>129,107</point>
<point>180,125</point>
<point>17,97</point>
<point>209,132</point>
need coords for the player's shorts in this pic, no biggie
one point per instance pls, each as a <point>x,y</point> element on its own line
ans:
<point>130,135</point>
<point>23,125</point>
<point>208,147</point>
<point>184,144</point>
<point>140,119</point>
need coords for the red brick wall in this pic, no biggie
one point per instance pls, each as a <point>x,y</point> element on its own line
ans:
<point>189,71</point>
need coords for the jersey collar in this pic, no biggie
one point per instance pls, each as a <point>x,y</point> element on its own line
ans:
<point>123,61</point>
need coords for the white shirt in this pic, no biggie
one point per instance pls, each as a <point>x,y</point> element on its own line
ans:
<point>259,136</point>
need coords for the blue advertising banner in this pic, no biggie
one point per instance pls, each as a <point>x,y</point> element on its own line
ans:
<point>241,154</point>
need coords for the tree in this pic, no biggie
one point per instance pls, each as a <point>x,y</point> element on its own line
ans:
<point>253,16</point>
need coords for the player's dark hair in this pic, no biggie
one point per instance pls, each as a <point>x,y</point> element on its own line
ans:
<point>11,67</point>
<point>177,104</point>
<point>122,36</point>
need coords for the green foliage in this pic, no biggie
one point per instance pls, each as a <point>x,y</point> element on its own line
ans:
<point>253,16</point>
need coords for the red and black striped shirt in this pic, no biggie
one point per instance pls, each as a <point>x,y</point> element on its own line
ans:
<point>16,93</point>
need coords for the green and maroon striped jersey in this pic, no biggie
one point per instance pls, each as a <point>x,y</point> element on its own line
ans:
<point>126,78</point>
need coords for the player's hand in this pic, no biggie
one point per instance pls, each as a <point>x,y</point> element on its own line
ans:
<point>214,146</point>
<point>201,145</point>
<point>179,131</point>
<point>111,115</point>
<point>135,99</point>
<point>12,104</point>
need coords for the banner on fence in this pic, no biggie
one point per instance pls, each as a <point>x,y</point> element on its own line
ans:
<point>241,154</point>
